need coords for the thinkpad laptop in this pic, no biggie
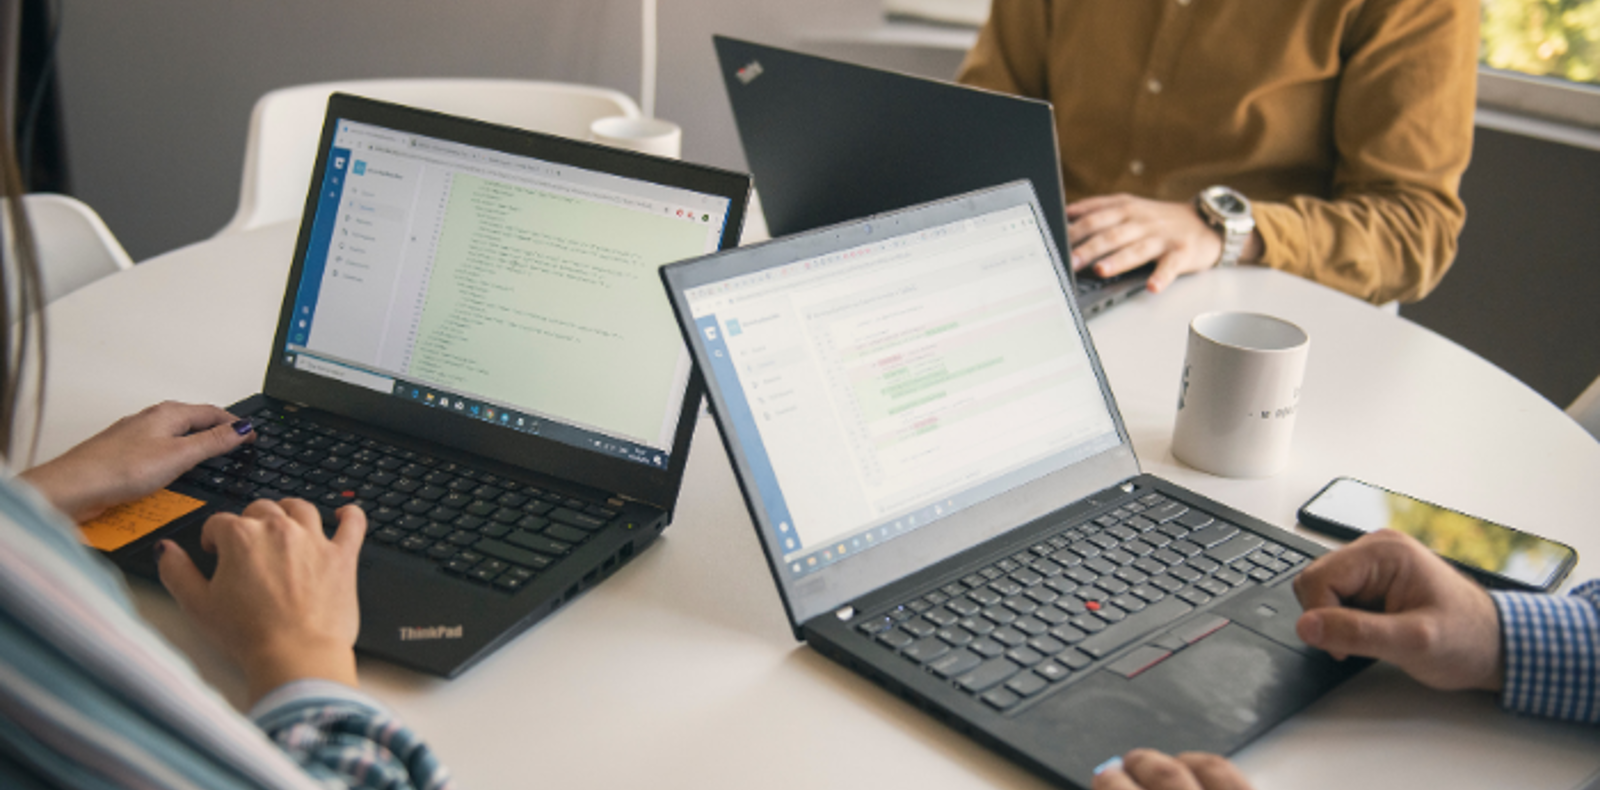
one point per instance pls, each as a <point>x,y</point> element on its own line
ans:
<point>474,347</point>
<point>830,141</point>
<point>951,505</point>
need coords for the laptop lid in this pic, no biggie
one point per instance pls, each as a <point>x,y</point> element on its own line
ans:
<point>830,141</point>
<point>493,290</point>
<point>897,389</point>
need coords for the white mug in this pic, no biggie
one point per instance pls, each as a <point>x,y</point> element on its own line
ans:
<point>1239,394</point>
<point>646,135</point>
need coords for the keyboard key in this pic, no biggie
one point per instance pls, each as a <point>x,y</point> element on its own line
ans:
<point>1052,671</point>
<point>918,627</point>
<point>926,649</point>
<point>1068,634</point>
<point>896,639</point>
<point>1010,637</point>
<point>959,662</point>
<point>565,533</point>
<point>573,518</point>
<point>1030,626</point>
<point>1234,548</point>
<point>977,625</point>
<point>509,553</point>
<point>955,636</point>
<point>1001,698</point>
<point>1027,684</point>
<point>1209,536</point>
<point>988,674</point>
<point>1047,645</point>
<point>1195,596</point>
<point>988,648</point>
<point>1157,615</point>
<point>1164,512</point>
<point>941,617</point>
<point>1194,519</point>
<point>539,543</point>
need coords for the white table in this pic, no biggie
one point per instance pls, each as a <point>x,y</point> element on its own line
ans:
<point>681,672</point>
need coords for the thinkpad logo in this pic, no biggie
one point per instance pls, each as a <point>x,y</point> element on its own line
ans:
<point>410,634</point>
<point>749,72</point>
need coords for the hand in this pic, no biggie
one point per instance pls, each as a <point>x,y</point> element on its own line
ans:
<point>1147,769</point>
<point>1116,233</point>
<point>282,602</point>
<point>1388,597</point>
<point>135,456</point>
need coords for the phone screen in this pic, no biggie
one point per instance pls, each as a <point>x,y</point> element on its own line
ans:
<point>1501,550</point>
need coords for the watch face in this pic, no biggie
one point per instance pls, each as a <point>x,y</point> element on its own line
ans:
<point>1228,203</point>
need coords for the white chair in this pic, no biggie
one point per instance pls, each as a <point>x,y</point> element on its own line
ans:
<point>286,125</point>
<point>1586,409</point>
<point>75,247</point>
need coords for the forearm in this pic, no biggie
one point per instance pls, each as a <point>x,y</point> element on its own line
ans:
<point>1377,247</point>
<point>339,734</point>
<point>1551,648</point>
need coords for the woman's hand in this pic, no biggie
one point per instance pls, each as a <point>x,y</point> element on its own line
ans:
<point>282,602</point>
<point>136,456</point>
<point>1147,769</point>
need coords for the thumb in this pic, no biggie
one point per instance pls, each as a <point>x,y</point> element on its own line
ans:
<point>180,576</point>
<point>1345,632</point>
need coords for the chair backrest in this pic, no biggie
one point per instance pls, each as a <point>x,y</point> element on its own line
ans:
<point>286,125</point>
<point>75,247</point>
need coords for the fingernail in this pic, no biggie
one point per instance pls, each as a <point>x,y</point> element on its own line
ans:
<point>159,549</point>
<point>243,427</point>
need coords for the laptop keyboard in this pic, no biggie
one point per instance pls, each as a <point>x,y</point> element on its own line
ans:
<point>472,524</point>
<point>1041,617</point>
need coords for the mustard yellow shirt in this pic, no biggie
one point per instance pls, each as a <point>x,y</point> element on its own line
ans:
<point>1347,122</point>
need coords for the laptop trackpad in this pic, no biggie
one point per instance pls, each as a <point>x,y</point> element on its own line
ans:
<point>1215,695</point>
<point>1271,613</point>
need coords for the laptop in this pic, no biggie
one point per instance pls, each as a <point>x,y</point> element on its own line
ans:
<point>474,346</point>
<point>951,505</point>
<point>830,141</point>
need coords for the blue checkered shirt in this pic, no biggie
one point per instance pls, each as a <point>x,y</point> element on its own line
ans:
<point>1552,653</point>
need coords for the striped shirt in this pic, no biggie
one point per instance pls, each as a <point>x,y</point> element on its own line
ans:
<point>91,697</point>
<point>1551,648</point>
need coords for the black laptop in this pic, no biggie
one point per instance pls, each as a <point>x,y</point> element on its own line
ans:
<point>951,505</point>
<point>474,347</point>
<point>830,141</point>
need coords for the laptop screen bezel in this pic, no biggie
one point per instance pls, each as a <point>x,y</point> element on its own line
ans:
<point>955,533</point>
<point>608,473</point>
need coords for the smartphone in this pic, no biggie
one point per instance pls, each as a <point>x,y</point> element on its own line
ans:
<point>1496,555</point>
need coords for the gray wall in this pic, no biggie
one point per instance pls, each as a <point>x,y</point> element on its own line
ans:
<point>158,93</point>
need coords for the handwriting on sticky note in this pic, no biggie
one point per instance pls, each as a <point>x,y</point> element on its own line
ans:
<point>125,524</point>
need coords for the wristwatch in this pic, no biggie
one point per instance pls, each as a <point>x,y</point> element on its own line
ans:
<point>1229,212</point>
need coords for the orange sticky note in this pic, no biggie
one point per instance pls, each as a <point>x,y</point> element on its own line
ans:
<point>125,524</point>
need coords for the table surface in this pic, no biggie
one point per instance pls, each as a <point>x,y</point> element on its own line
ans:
<point>680,671</point>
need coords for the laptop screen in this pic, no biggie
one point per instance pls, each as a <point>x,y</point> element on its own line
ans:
<point>879,389</point>
<point>504,289</point>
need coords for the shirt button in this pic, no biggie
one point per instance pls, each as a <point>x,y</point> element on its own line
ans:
<point>1136,167</point>
<point>1154,85</point>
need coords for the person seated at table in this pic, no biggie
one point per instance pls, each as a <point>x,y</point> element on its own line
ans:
<point>1347,126</point>
<point>1386,596</point>
<point>89,695</point>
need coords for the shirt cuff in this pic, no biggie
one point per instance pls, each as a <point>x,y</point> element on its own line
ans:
<point>311,691</point>
<point>1550,645</point>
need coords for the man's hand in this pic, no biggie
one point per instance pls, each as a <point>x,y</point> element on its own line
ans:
<point>1146,769</point>
<point>282,602</point>
<point>135,456</point>
<point>1388,597</point>
<point>1116,233</point>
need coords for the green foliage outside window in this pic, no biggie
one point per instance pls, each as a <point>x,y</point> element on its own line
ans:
<point>1546,38</point>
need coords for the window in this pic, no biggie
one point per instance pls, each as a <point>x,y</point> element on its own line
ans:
<point>1541,63</point>
<point>1543,38</point>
